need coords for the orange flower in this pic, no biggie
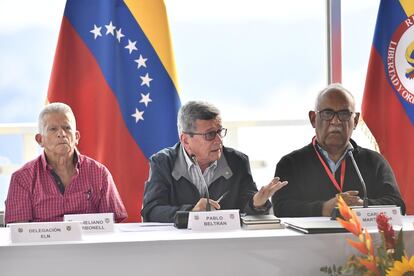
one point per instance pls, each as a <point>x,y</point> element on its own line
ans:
<point>386,262</point>
<point>351,221</point>
<point>368,243</point>
<point>345,211</point>
<point>360,246</point>
<point>350,226</point>
<point>370,265</point>
<point>356,220</point>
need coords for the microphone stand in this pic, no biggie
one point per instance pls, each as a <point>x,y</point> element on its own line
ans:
<point>335,211</point>
<point>200,174</point>
<point>364,187</point>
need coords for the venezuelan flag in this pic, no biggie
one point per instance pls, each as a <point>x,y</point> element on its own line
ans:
<point>388,103</point>
<point>114,66</point>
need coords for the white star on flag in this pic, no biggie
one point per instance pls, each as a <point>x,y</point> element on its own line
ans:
<point>138,115</point>
<point>145,80</point>
<point>131,46</point>
<point>110,28</point>
<point>119,34</point>
<point>145,99</point>
<point>141,61</point>
<point>96,31</point>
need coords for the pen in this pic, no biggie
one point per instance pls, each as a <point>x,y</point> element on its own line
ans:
<point>222,196</point>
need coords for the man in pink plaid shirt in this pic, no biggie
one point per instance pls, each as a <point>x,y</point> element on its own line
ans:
<point>61,180</point>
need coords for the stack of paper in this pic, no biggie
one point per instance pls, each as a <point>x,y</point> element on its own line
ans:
<point>261,222</point>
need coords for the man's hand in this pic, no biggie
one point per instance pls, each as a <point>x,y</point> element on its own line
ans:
<point>260,198</point>
<point>350,197</point>
<point>202,203</point>
<point>328,206</point>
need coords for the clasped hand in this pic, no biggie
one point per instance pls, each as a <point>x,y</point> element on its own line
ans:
<point>350,197</point>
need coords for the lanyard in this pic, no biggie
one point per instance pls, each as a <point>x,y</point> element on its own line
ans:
<point>328,171</point>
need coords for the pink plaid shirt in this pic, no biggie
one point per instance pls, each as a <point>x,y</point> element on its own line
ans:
<point>34,195</point>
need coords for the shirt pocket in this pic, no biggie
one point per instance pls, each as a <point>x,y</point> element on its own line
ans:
<point>82,202</point>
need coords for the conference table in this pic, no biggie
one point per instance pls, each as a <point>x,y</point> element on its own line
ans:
<point>141,249</point>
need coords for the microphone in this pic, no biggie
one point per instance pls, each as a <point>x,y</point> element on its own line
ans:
<point>364,187</point>
<point>367,214</point>
<point>200,174</point>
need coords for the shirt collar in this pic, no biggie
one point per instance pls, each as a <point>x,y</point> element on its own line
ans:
<point>187,159</point>
<point>181,166</point>
<point>332,165</point>
<point>77,160</point>
<point>190,163</point>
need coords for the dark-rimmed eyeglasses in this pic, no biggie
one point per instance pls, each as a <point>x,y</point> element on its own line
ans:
<point>211,135</point>
<point>329,114</point>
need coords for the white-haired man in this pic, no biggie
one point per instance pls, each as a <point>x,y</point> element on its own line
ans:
<point>61,180</point>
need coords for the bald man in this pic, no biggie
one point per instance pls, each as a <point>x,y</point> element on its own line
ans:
<point>320,171</point>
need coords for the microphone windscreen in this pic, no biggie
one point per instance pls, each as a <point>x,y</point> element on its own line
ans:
<point>181,219</point>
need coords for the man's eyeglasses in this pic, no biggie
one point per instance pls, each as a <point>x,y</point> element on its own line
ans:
<point>211,135</point>
<point>329,114</point>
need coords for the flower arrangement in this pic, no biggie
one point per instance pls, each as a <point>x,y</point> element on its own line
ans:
<point>389,258</point>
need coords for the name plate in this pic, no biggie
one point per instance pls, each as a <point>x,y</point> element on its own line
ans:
<point>219,220</point>
<point>45,231</point>
<point>94,223</point>
<point>368,215</point>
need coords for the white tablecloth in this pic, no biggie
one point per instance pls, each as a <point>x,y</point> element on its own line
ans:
<point>165,250</point>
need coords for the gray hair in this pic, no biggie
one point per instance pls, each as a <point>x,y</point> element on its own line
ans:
<point>192,111</point>
<point>54,108</point>
<point>331,87</point>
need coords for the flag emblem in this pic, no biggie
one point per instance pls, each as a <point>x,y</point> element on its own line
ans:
<point>400,60</point>
<point>388,103</point>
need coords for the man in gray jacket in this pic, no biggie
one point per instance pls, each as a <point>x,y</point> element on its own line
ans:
<point>176,184</point>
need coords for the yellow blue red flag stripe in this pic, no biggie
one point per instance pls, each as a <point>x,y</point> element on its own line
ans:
<point>388,103</point>
<point>123,91</point>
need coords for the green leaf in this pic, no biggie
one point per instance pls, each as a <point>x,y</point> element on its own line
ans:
<point>399,247</point>
<point>327,270</point>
